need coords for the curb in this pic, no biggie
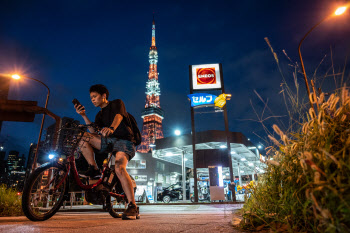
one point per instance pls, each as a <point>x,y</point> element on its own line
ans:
<point>98,208</point>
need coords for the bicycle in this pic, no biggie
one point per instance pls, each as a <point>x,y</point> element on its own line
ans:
<point>47,187</point>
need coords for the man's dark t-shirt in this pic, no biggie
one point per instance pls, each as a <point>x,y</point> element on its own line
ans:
<point>105,117</point>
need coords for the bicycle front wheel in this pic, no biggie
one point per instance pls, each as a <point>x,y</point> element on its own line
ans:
<point>44,192</point>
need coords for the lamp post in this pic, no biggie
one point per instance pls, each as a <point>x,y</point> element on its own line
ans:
<point>16,76</point>
<point>339,11</point>
<point>184,191</point>
<point>183,170</point>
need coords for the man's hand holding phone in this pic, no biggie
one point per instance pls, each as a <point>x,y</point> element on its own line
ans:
<point>78,107</point>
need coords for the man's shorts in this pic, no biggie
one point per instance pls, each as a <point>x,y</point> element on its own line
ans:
<point>109,144</point>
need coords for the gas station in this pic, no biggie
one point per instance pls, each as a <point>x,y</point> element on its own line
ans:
<point>211,152</point>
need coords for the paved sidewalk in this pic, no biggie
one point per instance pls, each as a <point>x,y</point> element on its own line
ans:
<point>154,218</point>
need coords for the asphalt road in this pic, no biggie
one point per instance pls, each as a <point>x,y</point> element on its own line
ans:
<point>173,218</point>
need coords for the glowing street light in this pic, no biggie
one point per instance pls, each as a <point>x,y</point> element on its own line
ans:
<point>169,154</point>
<point>339,11</point>
<point>16,76</point>
<point>177,132</point>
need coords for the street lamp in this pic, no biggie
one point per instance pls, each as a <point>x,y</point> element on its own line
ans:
<point>177,132</point>
<point>339,11</point>
<point>16,76</point>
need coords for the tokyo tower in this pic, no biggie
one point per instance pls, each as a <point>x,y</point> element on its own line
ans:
<point>152,114</point>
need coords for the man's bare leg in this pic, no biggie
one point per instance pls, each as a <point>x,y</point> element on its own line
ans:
<point>86,146</point>
<point>120,169</point>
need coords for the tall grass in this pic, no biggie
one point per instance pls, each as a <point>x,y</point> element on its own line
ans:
<point>306,186</point>
<point>10,202</point>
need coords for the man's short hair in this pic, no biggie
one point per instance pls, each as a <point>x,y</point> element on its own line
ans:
<point>100,89</point>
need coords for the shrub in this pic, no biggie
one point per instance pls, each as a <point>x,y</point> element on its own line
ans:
<point>10,202</point>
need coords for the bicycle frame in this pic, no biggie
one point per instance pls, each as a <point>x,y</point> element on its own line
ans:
<point>71,167</point>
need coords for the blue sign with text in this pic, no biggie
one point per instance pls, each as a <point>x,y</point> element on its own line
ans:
<point>199,99</point>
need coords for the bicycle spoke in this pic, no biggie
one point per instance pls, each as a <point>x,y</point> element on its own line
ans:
<point>43,195</point>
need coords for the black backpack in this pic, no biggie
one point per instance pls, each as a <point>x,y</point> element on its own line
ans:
<point>135,130</point>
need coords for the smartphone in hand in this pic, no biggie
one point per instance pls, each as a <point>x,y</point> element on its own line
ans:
<point>76,102</point>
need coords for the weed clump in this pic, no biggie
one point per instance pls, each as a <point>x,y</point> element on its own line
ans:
<point>306,186</point>
<point>10,202</point>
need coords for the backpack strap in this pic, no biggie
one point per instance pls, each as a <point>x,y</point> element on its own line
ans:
<point>132,129</point>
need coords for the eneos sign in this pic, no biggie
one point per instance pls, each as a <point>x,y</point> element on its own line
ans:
<point>206,77</point>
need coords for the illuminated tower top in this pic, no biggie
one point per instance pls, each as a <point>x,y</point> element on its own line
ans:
<point>153,34</point>
<point>152,85</point>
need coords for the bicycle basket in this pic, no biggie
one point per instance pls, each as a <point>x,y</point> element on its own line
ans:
<point>69,138</point>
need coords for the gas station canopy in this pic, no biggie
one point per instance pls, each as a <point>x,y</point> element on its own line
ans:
<point>245,156</point>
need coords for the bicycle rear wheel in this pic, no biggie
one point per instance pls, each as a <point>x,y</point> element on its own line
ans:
<point>42,197</point>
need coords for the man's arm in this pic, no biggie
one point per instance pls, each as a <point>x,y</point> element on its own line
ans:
<point>81,111</point>
<point>116,122</point>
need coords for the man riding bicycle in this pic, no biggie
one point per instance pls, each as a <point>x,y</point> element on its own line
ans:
<point>116,135</point>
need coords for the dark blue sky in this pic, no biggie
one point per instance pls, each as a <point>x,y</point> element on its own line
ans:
<point>71,45</point>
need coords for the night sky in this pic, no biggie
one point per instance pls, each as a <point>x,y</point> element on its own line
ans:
<point>71,45</point>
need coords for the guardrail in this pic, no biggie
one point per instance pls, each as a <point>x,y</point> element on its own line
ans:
<point>73,199</point>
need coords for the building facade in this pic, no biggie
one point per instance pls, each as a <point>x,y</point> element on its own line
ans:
<point>3,167</point>
<point>14,162</point>
<point>15,170</point>
<point>152,175</point>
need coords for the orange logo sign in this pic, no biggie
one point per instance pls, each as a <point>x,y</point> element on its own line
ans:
<point>206,76</point>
